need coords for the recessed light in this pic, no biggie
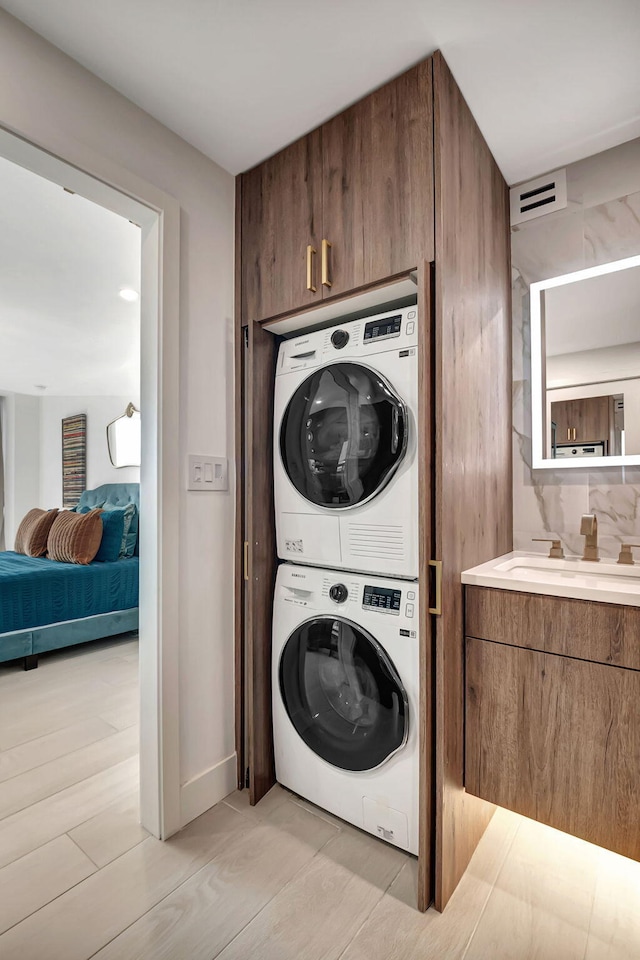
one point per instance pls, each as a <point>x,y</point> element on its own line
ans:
<point>128,294</point>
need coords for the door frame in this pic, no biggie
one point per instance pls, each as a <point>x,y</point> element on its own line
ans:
<point>98,179</point>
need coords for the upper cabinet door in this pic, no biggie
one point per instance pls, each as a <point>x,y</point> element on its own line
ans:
<point>281,218</point>
<point>378,183</point>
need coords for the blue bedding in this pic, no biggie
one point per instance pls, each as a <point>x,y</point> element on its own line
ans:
<point>35,591</point>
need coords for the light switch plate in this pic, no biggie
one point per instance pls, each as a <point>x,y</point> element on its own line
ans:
<point>207,473</point>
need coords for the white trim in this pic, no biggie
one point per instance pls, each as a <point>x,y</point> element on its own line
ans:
<point>104,182</point>
<point>208,788</point>
<point>538,418</point>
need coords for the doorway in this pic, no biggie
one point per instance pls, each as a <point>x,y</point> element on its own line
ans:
<point>157,216</point>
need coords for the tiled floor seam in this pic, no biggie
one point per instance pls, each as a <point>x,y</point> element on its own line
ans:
<point>277,893</point>
<point>371,912</point>
<point>488,897</point>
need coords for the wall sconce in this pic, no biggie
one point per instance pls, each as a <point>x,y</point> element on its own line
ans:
<point>123,439</point>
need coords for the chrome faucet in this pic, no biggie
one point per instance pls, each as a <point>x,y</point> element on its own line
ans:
<point>589,530</point>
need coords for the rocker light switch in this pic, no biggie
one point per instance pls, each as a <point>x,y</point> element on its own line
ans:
<point>207,473</point>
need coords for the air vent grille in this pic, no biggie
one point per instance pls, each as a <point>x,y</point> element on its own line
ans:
<point>377,541</point>
<point>537,197</point>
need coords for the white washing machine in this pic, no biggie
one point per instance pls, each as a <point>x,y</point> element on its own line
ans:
<point>345,697</point>
<point>345,446</point>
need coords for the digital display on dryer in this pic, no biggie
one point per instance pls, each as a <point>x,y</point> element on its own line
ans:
<point>382,599</point>
<point>387,327</point>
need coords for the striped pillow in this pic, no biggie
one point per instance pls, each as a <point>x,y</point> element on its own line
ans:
<point>75,537</point>
<point>32,534</point>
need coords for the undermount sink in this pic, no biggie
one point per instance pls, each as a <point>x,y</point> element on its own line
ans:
<point>604,580</point>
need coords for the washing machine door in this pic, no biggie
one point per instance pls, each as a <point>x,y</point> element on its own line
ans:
<point>343,694</point>
<point>343,435</point>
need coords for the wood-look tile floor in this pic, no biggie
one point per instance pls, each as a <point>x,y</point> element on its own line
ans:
<point>79,878</point>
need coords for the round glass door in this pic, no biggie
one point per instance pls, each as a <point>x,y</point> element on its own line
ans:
<point>343,694</point>
<point>343,435</point>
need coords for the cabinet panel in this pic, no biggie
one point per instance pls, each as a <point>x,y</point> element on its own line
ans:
<point>281,214</point>
<point>583,421</point>
<point>557,740</point>
<point>378,183</point>
<point>607,633</point>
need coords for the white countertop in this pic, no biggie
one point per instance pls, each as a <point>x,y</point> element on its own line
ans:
<point>605,581</point>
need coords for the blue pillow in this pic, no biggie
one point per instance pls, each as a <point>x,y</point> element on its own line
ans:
<point>112,535</point>
<point>130,529</point>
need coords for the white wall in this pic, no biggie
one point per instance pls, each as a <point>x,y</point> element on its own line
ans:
<point>100,411</point>
<point>51,101</point>
<point>21,422</point>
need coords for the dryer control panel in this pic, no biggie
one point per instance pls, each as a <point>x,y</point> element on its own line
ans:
<point>382,598</point>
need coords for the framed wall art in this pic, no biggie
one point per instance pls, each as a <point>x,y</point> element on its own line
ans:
<point>74,458</point>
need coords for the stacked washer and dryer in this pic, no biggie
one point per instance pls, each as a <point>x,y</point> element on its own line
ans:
<point>345,634</point>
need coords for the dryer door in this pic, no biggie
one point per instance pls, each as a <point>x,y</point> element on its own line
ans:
<point>343,694</point>
<point>343,435</point>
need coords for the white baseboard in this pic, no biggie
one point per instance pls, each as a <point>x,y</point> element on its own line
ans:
<point>207,789</point>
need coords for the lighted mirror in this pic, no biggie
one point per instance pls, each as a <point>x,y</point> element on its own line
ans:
<point>123,438</point>
<point>585,367</point>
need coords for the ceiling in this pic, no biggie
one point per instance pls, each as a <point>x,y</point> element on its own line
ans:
<point>548,81</point>
<point>64,329</point>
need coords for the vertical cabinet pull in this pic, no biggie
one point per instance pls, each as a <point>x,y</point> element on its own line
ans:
<point>568,433</point>
<point>574,433</point>
<point>326,246</point>
<point>246,560</point>
<point>310,252</point>
<point>437,607</point>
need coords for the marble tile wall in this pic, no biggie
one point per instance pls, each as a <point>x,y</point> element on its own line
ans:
<point>601,223</point>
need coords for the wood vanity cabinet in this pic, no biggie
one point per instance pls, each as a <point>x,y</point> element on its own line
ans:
<point>358,191</point>
<point>555,735</point>
<point>589,420</point>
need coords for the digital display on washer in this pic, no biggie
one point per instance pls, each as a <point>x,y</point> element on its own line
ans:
<point>387,327</point>
<point>382,599</point>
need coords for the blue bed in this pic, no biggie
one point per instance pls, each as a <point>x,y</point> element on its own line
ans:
<point>45,604</point>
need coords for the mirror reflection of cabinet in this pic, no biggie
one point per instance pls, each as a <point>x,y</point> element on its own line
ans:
<point>585,367</point>
<point>589,420</point>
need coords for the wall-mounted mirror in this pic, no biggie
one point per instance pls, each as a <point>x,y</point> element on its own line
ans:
<point>585,367</point>
<point>123,438</point>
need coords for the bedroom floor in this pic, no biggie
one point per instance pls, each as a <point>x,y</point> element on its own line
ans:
<point>79,878</point>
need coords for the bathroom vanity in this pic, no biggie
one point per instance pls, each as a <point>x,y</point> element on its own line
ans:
<point>553,693</point>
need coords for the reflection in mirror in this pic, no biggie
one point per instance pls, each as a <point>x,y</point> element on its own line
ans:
<point>585,360</point>
<point>123,439</point>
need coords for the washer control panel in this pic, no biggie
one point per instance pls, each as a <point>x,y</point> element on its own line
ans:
<point>382,328</point>
<point>382,598</point>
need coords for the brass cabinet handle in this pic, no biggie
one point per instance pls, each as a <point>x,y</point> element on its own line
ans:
<point>325,264</point>
<point>574,433</point>
<point>437,608</point>
<point>246,559</point>
<point>568,433</point>
<point>310,252</point>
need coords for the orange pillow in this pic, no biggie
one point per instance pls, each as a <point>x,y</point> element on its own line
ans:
<point>75,537</point>
<point>31,538</point>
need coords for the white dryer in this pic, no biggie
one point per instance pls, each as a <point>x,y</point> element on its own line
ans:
<point>345,446</point>
<point>345,697</point>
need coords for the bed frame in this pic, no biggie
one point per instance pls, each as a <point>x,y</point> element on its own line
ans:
<point>28,644</point>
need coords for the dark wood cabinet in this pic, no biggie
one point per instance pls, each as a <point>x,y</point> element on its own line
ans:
<point>407,183</point>
<point>281,215</point>
<point>358,191</point>
<point>589,420</point>
<point>378,183</point>
<point>555,736</point>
